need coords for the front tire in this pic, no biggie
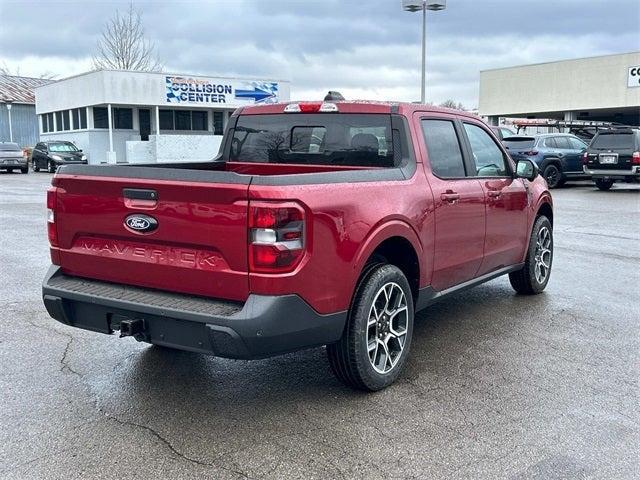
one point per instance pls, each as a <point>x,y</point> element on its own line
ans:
<point>52,166</point>
<point>603,184</point>
<point>552,175</point>
<point>534,276</point>
<point>34,166</point>
<point>25,170</point>
<point>375,344</point>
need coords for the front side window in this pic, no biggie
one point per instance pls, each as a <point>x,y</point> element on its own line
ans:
<point>577,144</point>
<point>443,147</point>
<point>314,139</point>
<point>488,157</point>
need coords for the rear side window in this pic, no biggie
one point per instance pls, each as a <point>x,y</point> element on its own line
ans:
<point>443,147</point>
<point>613,141</point>
<point>314,139</point>
<point>518,143</point>
<point>563,143</point>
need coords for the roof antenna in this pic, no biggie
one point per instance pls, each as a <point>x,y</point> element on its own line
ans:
<point>333,96</point>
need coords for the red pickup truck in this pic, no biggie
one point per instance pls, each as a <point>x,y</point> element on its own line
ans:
<point>319,223</point>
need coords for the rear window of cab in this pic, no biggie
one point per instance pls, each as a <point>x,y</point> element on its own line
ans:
<point>314,139</point>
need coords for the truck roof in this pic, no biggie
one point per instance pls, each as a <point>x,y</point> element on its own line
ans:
<point>356,106</point>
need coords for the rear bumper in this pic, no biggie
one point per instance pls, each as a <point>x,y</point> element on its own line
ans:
<point>612,173</point>
<point>13,163</point>
<point>261,327</point>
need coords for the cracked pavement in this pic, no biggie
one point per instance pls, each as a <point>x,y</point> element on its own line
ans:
<point>497,386</point>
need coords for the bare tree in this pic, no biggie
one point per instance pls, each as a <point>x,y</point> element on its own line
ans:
<point>123,45</point>
<point>452,104</point>
<point>5,70</point>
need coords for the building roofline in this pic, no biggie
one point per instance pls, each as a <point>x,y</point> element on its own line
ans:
<point>559,61</point>
<point>225,77</point>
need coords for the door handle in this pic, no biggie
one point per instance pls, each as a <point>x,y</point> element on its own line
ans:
<point>450,196</point>
<point>494,193</point>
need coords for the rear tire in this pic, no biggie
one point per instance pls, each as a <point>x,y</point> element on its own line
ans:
<point>375,343</point>
<point>552,175</point>
<point>603,184</point>
<point>534,275</point>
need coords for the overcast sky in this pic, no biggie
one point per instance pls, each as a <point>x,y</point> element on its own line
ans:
<point>365,49</point>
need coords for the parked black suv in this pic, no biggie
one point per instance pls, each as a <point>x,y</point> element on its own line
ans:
<point>613,155</point>
<point>50,155</point>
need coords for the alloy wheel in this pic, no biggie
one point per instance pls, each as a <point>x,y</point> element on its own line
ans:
<point>552,176</point>
<point>542,256</point>
<point>387,327</point>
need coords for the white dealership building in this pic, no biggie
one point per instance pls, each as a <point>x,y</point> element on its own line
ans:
<point>603,88</point>
<point>124,116</point>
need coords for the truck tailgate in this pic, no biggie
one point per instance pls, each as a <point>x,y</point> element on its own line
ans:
<point>199,246</point>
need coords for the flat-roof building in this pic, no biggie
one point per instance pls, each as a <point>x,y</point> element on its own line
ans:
<point>604,88</point>
<point>127,116</point>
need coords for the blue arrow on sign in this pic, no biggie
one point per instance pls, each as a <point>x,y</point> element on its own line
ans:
<point>257,94</point>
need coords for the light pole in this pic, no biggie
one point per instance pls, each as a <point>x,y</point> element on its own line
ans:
<point>8,104</point>
<point>423,5</point>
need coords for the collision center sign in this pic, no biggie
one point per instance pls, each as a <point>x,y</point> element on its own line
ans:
<point>204,91</point>
<point>633,80</point>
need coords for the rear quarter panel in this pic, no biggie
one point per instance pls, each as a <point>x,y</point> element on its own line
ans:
<point>345,222</point>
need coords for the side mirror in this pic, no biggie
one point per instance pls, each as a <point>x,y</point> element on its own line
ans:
<point>527,169</point>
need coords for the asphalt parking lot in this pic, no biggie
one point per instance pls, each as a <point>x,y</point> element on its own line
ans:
<point>497,386</point>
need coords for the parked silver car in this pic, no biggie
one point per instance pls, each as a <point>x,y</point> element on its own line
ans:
<point>12,158</point>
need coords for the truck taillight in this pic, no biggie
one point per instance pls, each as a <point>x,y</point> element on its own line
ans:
<point>585,158</point>
<point>276,236</point>
<point>51,217</point>
<point>635,158</point>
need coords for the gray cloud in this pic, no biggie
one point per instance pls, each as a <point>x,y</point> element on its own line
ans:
<point>366,48</point>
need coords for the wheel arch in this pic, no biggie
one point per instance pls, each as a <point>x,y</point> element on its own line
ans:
<point>399,245</point>
<point>545,209</point>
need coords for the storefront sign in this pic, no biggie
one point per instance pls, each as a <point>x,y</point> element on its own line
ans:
<point>202,91</point>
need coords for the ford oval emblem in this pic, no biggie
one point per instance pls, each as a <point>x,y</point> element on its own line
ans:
<point>141,223</point>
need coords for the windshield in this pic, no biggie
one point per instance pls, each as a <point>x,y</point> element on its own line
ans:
<point>613,141</point>
<point>519,142</point>
<point>314,139</point>
<point>9,147</point>
<point>62,147</point>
